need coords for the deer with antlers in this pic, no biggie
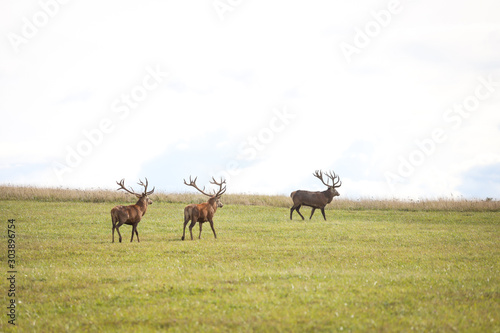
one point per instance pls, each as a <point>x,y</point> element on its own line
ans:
<point>316,199</point>
<point>203,212</point>
<point>132,214</point>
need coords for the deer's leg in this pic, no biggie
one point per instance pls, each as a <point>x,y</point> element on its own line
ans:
<point>212,226</point>
<point>117,227</point>
<point>323,212</point>
<point>137,233</point>
<point>298,211</point>
<point>193,222</point>
<point>186,220</point>
<point>312,212</point>
<point>199,236</point>
<point>112,227</point>
<point>133,229</point>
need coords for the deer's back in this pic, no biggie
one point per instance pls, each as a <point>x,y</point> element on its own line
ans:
<point>308,198</point>
<point>205,212</point>
<point>126,214</point>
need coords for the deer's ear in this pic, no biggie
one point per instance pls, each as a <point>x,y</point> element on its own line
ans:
<point>138,195</point>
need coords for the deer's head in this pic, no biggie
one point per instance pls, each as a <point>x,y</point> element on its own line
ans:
<point>219,203</point>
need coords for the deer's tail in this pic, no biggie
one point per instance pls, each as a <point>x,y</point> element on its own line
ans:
<point>114,218</point>
<point>187,213</point>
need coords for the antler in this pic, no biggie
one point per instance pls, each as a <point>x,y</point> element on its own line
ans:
<point>333,177</point>
<point>318,174</point>
<point>146,187</point>
<point>122,187</point>
<point>121,183</point>
<point>220,184</point>
<point>193,184</point>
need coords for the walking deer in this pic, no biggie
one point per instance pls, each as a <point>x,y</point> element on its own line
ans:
<point>203,212</point>
<point>316,199</point>
<point>132,214</point>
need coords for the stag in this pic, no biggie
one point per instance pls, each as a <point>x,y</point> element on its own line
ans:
<point>203,212</point>
<point>132,214</point>
<point>316,199</point>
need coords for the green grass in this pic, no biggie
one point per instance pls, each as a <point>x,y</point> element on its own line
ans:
<point>362,270</point>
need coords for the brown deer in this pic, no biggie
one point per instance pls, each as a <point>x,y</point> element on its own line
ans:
<point>316,199</point>
<point>130,214</point>
<point>205,211</point>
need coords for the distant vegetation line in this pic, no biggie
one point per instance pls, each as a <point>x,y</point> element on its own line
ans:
<point>99,195</point>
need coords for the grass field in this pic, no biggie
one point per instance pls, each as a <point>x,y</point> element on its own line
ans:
<point>362,270</point>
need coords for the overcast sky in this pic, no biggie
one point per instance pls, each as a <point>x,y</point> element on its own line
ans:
<point>399,98</point>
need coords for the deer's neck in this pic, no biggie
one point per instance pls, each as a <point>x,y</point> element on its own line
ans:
<point>142,203</point>
<point>213,203</point>
<point>329,195</point>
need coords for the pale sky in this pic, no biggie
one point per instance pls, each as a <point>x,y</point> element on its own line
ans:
<point>400,98</point>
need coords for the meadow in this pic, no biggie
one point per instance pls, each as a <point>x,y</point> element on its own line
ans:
<point>367,268</point>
